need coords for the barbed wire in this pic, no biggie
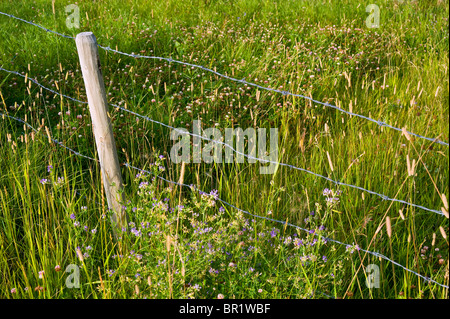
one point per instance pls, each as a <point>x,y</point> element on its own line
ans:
<point>44,87</point>
<point>382,196</point>
<point>242,81</point>
<point>376,254</point>
<point>81,155</point>
<point>52,139</point>
<point>37,25</point>
<point>231,205</point>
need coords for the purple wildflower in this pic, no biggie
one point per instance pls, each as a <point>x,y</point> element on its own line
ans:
<point>214,193</point>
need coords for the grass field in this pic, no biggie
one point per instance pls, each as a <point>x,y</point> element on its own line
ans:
<point>184,244</point>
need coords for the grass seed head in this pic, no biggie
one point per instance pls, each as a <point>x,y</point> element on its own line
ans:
<point>388,226</point>
<point>444,235</point>
<point>444,200</point>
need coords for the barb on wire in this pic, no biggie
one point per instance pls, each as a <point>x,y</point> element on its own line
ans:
<point>78,154</point>
<point>382,196</point>
<point>290,224</point>
<point>233,206</point>
<point>52,139</point>
<point>44,87</point>
<point>242,81</point>
<point>37,25</point>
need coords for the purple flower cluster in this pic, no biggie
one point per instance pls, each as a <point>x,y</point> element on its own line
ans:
<point>143,184</point>
<point>331,195</point>
<point>136,232</point>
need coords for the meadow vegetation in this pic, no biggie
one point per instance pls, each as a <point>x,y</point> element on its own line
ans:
<point>185,243</point>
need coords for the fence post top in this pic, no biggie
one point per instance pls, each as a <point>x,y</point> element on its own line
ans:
<point>86,36</point>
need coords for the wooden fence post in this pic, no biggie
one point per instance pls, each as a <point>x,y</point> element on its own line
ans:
<point>104,138</point>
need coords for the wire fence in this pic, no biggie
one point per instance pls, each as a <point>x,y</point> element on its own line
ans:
<point>384,197</point>
<point>37,25</point>
<point>325,239</point>
<point>52,139</point>
<point>242,81</point>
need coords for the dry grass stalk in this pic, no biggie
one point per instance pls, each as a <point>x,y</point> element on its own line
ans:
<point>168,242</point>
<point>444,200</point>
<point>388,226</point>
<point>405,132</point>
<point>444,235</point>
<point>329,161</point>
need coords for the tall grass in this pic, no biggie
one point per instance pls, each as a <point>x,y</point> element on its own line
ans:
<point>397,73</point>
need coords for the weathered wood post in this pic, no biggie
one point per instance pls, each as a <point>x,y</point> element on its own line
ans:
<point>104,138</point>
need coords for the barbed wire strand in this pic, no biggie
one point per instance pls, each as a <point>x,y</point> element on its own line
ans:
<point>78,154</point>
<point>52,139</point>
<point>242,81</point>
<point>289,224</point>
<point>427,279</point>
<point>382,196</point>
<point>37,25</point>
<point>42,86</point>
